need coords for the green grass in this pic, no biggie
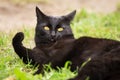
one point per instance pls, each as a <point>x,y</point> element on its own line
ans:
<point>84,24</point>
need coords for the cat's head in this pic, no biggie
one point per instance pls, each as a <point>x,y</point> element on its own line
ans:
<point>50,29</point>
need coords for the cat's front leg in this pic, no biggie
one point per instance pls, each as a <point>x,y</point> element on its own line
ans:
<point>40,70</point>
<point>21,51</point>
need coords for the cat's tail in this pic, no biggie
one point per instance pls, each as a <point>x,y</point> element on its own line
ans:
<point>21,51</point>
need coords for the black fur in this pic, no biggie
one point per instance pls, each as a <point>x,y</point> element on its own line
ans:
<point>104,53</point>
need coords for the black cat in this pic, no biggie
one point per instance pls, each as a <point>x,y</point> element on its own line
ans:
<point>104,53</point>
<point>48,30</point>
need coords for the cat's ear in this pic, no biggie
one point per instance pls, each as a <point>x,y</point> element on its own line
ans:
<point>70,16</point>
<point>39,13</point>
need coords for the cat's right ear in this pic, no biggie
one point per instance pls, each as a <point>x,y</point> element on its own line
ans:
<point>70,16</point>
<point>39,13</point>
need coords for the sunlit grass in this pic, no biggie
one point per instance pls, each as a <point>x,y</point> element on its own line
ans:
<point>84,24</point>
<point>97,25</point>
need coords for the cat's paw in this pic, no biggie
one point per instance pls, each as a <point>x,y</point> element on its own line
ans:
<point>18,38</point>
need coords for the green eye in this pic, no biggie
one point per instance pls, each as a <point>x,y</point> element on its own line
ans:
<point>46,28</point>
<point>60,29</point>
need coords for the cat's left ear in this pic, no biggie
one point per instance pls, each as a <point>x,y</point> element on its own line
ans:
<point>70,16</point>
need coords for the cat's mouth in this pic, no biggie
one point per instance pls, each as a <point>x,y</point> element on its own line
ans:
<point>53,40</point>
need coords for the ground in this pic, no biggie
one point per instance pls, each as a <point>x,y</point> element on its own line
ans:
<point>15,16</point>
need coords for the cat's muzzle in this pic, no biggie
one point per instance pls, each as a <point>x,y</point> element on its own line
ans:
<point>53,40</point>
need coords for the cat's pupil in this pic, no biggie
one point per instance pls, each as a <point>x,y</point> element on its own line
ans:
<point>60,29</point>
<point>46,28</point>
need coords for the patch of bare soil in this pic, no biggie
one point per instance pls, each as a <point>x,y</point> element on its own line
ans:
<point>14,16</point>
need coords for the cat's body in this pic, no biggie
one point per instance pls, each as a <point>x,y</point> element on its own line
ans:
<point>104,54</point>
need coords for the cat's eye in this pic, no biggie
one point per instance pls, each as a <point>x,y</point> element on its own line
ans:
<point>46,28</point>
<point>60,29</point>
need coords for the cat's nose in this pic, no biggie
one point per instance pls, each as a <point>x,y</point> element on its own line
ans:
<point>53,39</point>
<point>53,34</point>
